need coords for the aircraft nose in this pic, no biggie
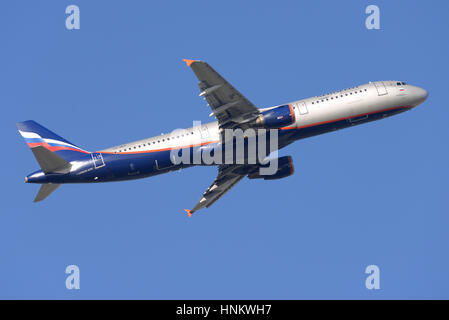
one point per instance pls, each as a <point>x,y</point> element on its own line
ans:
<point>420,95</point>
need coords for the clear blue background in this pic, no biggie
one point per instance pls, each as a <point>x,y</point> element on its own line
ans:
<point>372,194</point>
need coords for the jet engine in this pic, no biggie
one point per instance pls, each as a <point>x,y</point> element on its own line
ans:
<point>275,118</point>
<point>285,169</point>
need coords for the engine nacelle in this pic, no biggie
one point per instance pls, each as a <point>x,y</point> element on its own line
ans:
<point>276,118</point>
<point>285,169</point>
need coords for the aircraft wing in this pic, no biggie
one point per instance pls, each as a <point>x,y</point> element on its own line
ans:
<point>228,105</point>
<point>228,176</point>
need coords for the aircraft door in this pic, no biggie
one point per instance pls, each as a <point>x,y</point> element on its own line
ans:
<point>97,159</point>
<point>380,87</point>
<point>204,131</point>
<point>302,108</point>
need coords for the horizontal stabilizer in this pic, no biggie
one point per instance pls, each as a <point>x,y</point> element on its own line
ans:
<point>45,191</point>
<point>50,161</point>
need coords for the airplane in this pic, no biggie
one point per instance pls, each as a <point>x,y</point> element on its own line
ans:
<point>63,162</point>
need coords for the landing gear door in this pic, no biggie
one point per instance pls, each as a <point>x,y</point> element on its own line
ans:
<point>381,89</point>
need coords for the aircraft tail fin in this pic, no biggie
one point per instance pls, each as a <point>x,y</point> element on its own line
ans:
<point>36,135</point>
<point>45,191</point>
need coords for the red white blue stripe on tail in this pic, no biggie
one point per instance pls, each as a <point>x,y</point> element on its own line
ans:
<point>36,135</point>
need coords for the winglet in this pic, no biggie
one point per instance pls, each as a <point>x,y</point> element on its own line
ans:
<point>188,61</point>
<point>189,212</point>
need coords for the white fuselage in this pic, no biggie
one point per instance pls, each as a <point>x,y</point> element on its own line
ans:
<point>359,102</point>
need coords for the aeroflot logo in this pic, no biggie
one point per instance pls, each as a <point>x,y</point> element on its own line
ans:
<point>232,146</point>
<point>34,139</point>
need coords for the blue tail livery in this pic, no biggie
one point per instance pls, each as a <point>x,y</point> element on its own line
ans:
<point>37,135</point>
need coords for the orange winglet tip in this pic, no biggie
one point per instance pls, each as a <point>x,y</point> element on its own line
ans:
<point>188,61</point>
<point>189,212</point>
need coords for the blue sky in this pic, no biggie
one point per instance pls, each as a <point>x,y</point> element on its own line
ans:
<point>372,194</point>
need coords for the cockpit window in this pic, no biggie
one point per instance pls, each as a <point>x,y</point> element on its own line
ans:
<point>404,83</point>
<point>398,83</point>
